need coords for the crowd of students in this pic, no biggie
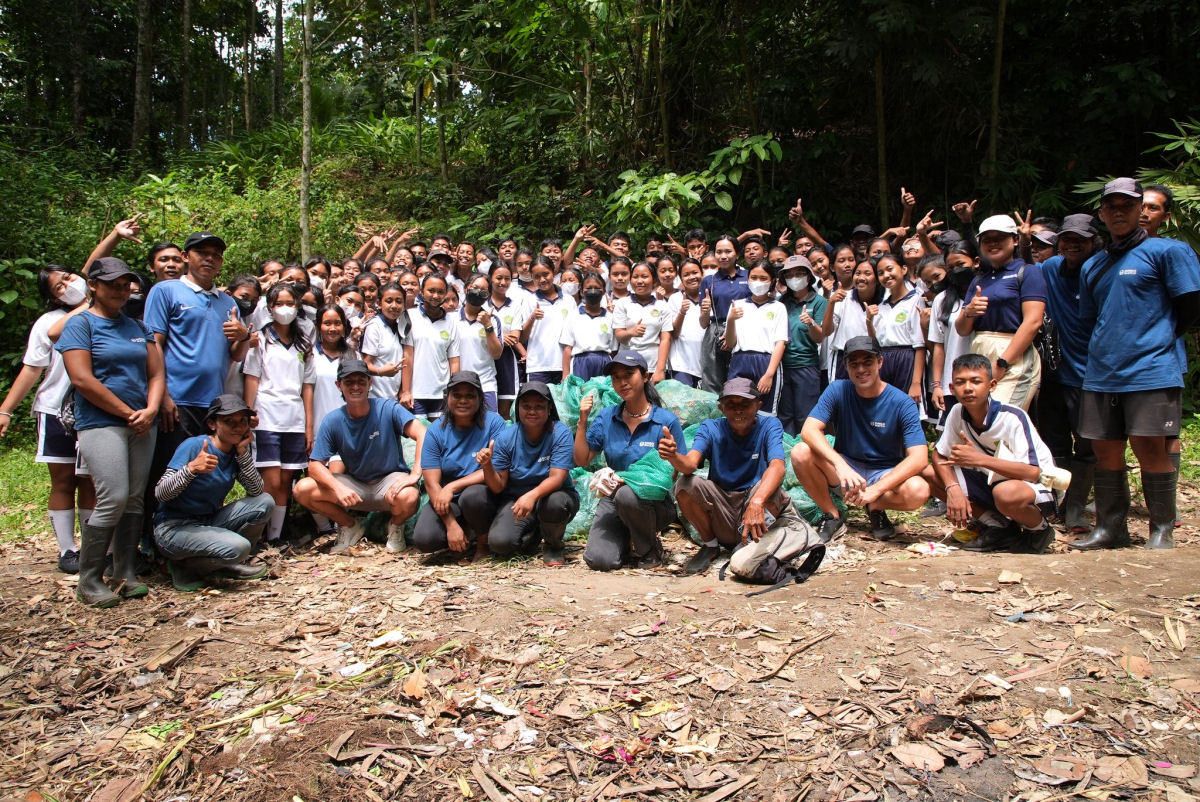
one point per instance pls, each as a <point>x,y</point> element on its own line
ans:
<point>1016,339</point>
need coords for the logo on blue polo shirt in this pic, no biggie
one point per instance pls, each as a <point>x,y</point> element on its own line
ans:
<point>879,424</point>
<point>1129,271</point>
<point>544,459</point>
<point>648,444</point>
<point>374,434</point>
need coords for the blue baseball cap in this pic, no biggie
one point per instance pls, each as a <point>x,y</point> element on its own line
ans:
<point>628,358</point>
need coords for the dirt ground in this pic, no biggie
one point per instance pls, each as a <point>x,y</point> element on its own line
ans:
<point>888,675</point>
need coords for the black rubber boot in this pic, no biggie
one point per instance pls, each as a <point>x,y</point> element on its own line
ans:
<point>1175,462</point>
<point>125,557</point>
<point>93,550</point>
<point>1112,512</point>
<point>1076,497</point>
<point>1159,489</point>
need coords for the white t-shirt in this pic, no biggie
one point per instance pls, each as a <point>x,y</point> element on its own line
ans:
<point>544,349</point>
<point>1008,435</point>
<point>900,324</point>
<point>760,328</point>
<point>40,353</point>
<point>513,314</point>
<point>473,353</point>
<point>687,344</point>
<point>434,343</point>
<point>326,396</point>
<point>282,371</point>
<point>587,334</point>
<point>386,347</point>
<point>849,320</point>
<point>628,313</point>
<point>955,344</point>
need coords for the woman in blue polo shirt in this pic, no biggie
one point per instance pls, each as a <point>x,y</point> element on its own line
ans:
<point>117,371</point>
<point>527,475</point>
<point>626,525</point>
<point>448,465</point>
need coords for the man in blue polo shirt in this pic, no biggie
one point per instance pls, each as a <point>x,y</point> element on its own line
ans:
<point>1139,295</point>
<point>718,292</point>
<point>879,451</point>
<point>743,494</point>
<point>365,435</point>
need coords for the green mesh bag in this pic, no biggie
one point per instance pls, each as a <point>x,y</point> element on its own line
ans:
<point>650,477</point>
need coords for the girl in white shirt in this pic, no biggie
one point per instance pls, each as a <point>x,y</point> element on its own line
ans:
<point>757,333</point>
<point>435,351</point>
<point>686,335</point>
<point>948,344</point>
<point>846,314</point>
<point>479,337</point>
<point>280,374</point>
<point>387,343</point>
<point>638,321</point>
<point>543,330</point>
<point>895,323</point>
<point>588,340</point>
<point>511,314</point>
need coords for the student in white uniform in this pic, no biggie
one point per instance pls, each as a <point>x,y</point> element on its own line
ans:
<point>639,321</point>
<point>757,332</point>
<point>683,325</point>
<point>435,353</point>
<point>280,374</point>
<point>479,337</point>
<point>387,344</point>
<point>331,347</point>
<point>588,340</point>
<point>510,313</point>
<point>846,314</point>
<point>543,330</point>
<point>895,323</point>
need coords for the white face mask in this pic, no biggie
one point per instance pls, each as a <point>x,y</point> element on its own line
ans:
<point>75,292</point>
<point>484,267</point>
<point>797,283</point>
<point>570,288</point>
<point>351,311</point>
<point>677,283</point>
<point>710,271</point>
<point>316,282</point>
<point>759,287</point>
<point>283,315</point>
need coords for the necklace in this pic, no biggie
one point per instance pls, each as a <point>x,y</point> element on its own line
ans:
<point>642,414</point>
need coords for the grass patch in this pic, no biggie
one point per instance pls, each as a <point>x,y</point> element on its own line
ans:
<point>24,494</point>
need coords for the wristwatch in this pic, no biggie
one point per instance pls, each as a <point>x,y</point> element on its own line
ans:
<point>1001,362</point>
<point>489,329</point>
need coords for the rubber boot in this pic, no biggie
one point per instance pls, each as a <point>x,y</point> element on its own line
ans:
<point>1076,497</point>
<point>1159,489</point>
<point>1175,462</point>
<point>1112,512</point>
<point>125,557</point>
<point>191,574</point>
<point>93,550</point>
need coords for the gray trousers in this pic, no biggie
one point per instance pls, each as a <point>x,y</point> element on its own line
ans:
<point>548,521</point>
<point>625,525</point>
<point>119,462</point>
<point>714,361</point>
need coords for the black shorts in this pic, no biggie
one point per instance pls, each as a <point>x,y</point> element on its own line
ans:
<point>1141,413</point>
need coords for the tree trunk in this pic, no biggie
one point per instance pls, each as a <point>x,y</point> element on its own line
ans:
<point>880,139</point>
<point>248,64</point>
<point>306,122</point>
<point>277,73</point>
<point>994,112</point>
<point>183,138</point>
<point>439,103</point>
<point>664,121</point>
<point>419,90</point>
<point>77,57</point>
<point>143,66</point>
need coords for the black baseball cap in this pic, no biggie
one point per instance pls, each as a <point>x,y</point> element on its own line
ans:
<point>201,237</point>
<point>862,343</point>
<point>439,253</point>
<point>863,229</point>
<point>739,388</point>
<point>1122,186</point>
<point>348,367</point>
<point>110,268</point>
<point>1046,237</point>
<point>542,390</point>
<point>465,377</point>
<point>1082,225</point>
<point>226,404</point>
<point>628,358</point>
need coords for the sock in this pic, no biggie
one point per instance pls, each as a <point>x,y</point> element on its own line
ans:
<point>1044,523</point>
<point>63,524</point>
<point>323,523</point>
<point>278,514</point>
<point>84,513</point>
<point>711,544</point>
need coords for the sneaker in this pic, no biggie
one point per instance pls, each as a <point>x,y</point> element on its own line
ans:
<point>68,562</point>
<point>700,560</point>
<point>348,537</point>
<point>395,542</point>
<point>936,508</point>
<point>830,528</point>
<point>996,538</point>
<point>881,527</point>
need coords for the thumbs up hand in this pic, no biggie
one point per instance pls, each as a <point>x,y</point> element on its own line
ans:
<point>978,304</point>
<point>806,318</point>
<point>484,455</point>
<point>204,462</point>
<point>667,449</point>
<point>233,328</point>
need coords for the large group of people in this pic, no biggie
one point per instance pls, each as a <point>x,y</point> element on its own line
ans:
<point>1019,343</point>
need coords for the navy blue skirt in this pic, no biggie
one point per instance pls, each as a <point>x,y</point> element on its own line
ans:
<point>589,364</point>
<point>506,374</point>
<point>752,365</point>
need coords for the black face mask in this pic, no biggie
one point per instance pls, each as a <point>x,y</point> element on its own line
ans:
<point>593,296</point>
<point>939,286</point>
<point>961,276</point>
<point>134,307</point>
<point>477,297</point>
<point>245,306</point>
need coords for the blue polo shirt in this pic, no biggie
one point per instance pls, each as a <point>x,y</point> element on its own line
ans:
<point>1062,303</point>
<point>528,464</point>
<point>118,348</point>
<point>876,432</point>
<point>738,463</point>
<point>452,450</point>
<point>1128,305</point>
<point>726,289</point>
<point>196,353</point>
<point>609,434</point>
<point>368,446</point>
<point>207,491</point>
<point>1004,295</point>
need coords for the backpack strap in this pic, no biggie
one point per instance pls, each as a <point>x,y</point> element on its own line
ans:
<point>797,574</point>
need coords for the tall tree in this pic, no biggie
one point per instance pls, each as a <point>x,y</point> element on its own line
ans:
<point>277,60</point>
<point>306,133</point>
<point>144,66</point>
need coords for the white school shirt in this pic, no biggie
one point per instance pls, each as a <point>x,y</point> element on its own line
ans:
<point>512,314</point>
<point>282,370</point>
<point>434,343</point>
<point>900,323</point>
<point>955,344</point>
<point>1007,434</point>
<point>586,334</point>
<point>387,347</point>
<point>326,396</point>
<point>40,353</point>
<point>472,349</point>
<point>627,313</point>
<point>687,343</point>
<point>544,350</point>
<point>761,327</point>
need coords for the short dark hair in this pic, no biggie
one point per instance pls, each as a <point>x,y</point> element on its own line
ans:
<point>973,362</point>
<point>1165,191</point>
<point>695,235</point>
